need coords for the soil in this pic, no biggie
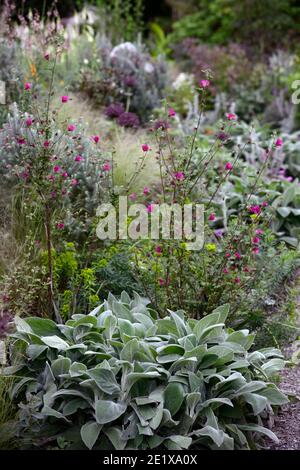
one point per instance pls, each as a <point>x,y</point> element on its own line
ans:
<point>287,423</point>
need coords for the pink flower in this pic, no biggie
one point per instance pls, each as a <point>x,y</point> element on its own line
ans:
<point>60,225</point>
<point>161,282</point>
<point>27,86</point>
<point>255,209</point>
<point>65,174</point>
<point>53,194</point>
<point>132,196</point>
<point>106,166</point>
<point>264,204</point>
<point>227,255</point>
<point>64,99</point>
<point>95,138</point>
<point>63,191</point>
<point>171,112</point>
<point>237,280</point>
<point>46,143</point>
<point>255,240</point>
<point>56,169</point>
<point>74,182</point>
<point>246,269</point>
<point>51,177</point>
<point>158,250</point>
<point>255,250</point>
<point>278,142</point>
<point>28,122</point>
<point>71,127</point>
<point>145,148</point>
<point>204,83</point>
<point>47,56</point>
<point>225,271</point>
<point>231,117</point>
<point>237,255</point>
<point>21,141</point>
<point>146,190</point>
<point>212,217</point>
<point>228,166</point>
<point>150,208</point>
<point>179,175</point>
<point>259,231</point>
<point>25,175</point>
<point>78,158</point>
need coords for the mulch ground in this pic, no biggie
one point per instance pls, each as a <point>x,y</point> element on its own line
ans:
<point>287,422</point>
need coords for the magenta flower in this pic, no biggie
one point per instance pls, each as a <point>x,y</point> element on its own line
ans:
<point>246,269</point>
<point>51,177</point>
<point>255,209</point>
<point>46,143</point>
<point>65,174</point>
<point>78,158</point>
<point>179,175</point>
<point>255,250</point>
<point>56,169</point>
<point>237,280</point>
<point>228,166</point>
<point>106,166</point>
<point>204,83</point>
<point>53,194</point>
<point>21,141</point>
<point>227,255</point>
<point>231,117</point>
<point>225,271</point>
<point>27,86</point>
<point>74,182</point>
<point>255,240</point>
<point>60,225</point>
<point>71,127</point>
<point>237,255</point>
<point>171,112</point>
<point>28,122</point>
<point>212,217</point>
<point>264,204</point>
<point>259,231</point>
<point>158,250</point>
<point>278,142</point>
<point>47,56</point>
<point>64,99</point>
<point>63,191</point>
<point>145,147</point>
<point>150,208</point>
<point>95,138</point>
<point>146,190</point>
<point>132,196</point>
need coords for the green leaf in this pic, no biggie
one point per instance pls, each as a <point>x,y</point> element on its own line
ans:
<point>108,411</point>
<point>114,434</point>
<point>173,396</point>
<point>42,326</point>
<point>260,429</point>
<point>89,433</point>
<point>60,366</point>
<point>55,342</point>
<point>105,380</point>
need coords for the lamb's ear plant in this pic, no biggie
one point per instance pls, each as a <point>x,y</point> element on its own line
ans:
<point>123,378</point>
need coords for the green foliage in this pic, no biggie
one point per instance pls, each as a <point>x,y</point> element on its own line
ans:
<point>220,21</point>
<point>120,378</point>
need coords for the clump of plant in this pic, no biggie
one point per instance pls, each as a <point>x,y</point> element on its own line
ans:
<point>122,378</point>
<point>125,79</point>
<point>50,160</point>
